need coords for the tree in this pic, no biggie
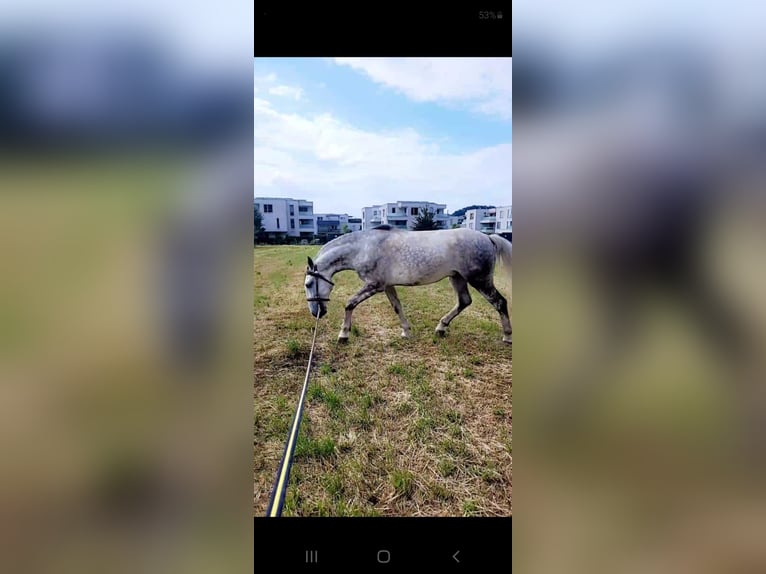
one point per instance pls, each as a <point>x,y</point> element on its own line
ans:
<point>257,222</point>
<point>425,221</point>
<point>345,229</point>
<point>455,226</point>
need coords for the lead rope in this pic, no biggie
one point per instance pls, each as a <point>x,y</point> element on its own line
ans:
<point>277,499</point>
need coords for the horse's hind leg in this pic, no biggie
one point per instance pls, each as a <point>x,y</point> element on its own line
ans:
<point>394,298</point>
<point>364,293</point>
<point>491,294</point>
<point>463,300</point>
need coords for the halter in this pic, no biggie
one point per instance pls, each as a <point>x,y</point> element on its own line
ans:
<point>323,278</point>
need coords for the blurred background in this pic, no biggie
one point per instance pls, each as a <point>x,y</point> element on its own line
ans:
<point>125,286</point>
<point>639,178</point>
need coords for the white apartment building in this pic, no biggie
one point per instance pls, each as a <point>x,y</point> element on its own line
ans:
<point>355,223</point>
<point>504,220</point>
<point>492,220</point>
<point>455,220</point>
<point>402,214</point>
<point>330,225</point>
<point>293,217</point>
<point>480,219</point>
<point>340,218</point>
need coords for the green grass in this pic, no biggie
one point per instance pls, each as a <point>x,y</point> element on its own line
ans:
<point>423,427</point>
<point>397,370</point>
<point>316,448</point>
<point>315,392</point>
<point>333,485</point>
<point>293,348</point>
<point>333,402</point>
<point>454,417</point>
<point>470,508</point>
<point>403,482</point>
<point>440,492</point>
<point>446,467</point>
<point>392,426</point>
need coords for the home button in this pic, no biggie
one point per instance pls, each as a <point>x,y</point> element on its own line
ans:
<point>384,557</point>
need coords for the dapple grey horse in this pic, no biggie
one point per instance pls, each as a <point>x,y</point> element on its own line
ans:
<point>384,257</point>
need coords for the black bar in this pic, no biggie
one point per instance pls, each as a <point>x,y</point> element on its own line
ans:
<point>383,544</point>
<point>413,29</point>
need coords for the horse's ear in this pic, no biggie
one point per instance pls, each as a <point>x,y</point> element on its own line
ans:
<point>311,263</point>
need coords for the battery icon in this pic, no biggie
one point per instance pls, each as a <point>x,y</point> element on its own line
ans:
<point>499,15</point>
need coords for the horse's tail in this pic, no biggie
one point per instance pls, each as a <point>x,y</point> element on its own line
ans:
<point>503,250</point>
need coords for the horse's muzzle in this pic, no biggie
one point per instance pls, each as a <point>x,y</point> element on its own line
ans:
<point>320,308</point>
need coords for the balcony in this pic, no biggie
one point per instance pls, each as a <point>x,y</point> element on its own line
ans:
<point>397,216</point>
<point>490,219</point>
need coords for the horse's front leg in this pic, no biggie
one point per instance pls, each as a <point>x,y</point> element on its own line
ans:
<point>365,293</point>
<point>394,299</point>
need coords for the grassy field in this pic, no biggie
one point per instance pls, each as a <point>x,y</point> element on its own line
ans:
<point>392,426</point>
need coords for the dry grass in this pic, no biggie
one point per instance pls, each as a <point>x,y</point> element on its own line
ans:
<point>416,427</point>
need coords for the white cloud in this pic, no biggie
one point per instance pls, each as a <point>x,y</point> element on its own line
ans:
<point>343,168</point>
<point>287,91</point>
<point>484,85</point>
<point>268,85</point>
<point>267,79</point>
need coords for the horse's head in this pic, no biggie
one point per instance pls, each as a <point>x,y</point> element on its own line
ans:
<point>318,288</point>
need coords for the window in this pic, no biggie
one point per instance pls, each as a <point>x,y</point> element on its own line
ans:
<point>303,209</point>
<point>502,214</point>
<point>414,211</point>
<point>268,208</point>
<point>439,211</point>
<point>393,210</point>
<point>470,225</point>
<point>375,213</point>
<point>277,223</point>
<point>292,224</point>
<point>470,217</point>
<point>292,209</point>
<point>507,224</point>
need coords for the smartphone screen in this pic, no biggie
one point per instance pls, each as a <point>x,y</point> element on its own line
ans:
<point>382,313</point>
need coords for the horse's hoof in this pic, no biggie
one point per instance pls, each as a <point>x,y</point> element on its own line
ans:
<point>441,333</point>
<point>342,340</point>
<point>405,335</point>
<point>507,340</point>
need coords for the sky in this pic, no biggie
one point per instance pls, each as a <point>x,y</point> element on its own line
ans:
<point>347,133</point>
<point>202,36</point>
